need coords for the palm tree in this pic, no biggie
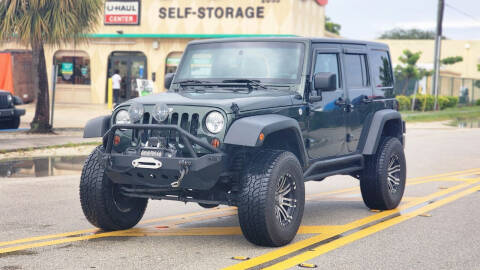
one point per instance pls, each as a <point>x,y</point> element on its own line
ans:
<point>36,23</point>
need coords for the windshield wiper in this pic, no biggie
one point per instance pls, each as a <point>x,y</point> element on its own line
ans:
<point>193,82</point>
<point>250,83</point>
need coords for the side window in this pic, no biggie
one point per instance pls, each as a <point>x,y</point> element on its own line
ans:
<point>356,70</point>
<point>382,69</point>
<point>328,62</point>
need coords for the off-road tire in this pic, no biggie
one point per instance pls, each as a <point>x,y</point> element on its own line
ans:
<point>99,204</point>
<point>256,202</point>
<point>13,123</point>
<point>374,177</point>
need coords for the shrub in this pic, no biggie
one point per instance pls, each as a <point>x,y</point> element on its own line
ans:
<point>404,103</point>
<point>477,102</point>
<point>419,100</point>
<point>442,102</point>
<point>429,102</point>
<point>452,101</point>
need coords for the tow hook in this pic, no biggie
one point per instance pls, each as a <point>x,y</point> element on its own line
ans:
<point>183,171</point>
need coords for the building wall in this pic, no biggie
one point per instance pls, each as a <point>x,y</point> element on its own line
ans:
<point>468,49</point>
<point>159,34</point>
<point>274,17</point>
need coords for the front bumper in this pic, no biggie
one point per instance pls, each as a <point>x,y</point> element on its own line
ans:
<point>193,172</point>
<point>11,113</point>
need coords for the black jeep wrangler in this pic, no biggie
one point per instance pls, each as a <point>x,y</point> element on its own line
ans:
<point>9,115</point>
<point>246,122</point>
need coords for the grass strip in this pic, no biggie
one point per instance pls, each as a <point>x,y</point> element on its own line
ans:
<point>461,113</point>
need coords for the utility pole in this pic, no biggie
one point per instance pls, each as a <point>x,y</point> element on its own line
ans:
<point>438,46</point>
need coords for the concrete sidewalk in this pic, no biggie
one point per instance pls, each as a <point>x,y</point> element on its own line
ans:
<point>67,115</point>
<point>69,121</point>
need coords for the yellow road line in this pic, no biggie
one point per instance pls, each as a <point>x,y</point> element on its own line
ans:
<point>93,230</point>
<point>111,234</point>
<point>452,176</point>
<point>234,230</point>
<point>282,251</point>
<point>368,231</point>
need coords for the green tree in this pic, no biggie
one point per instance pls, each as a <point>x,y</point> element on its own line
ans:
<point>36,23</point>
<point>451,60</point>
<point>398,33</point>
<point>332,27</point>
<point>408,70</point>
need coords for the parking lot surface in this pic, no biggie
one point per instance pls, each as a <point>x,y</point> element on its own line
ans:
<point>435,227</point>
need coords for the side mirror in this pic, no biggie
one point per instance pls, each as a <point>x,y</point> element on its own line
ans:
<point>17,100</point>
<point>168,80</point>
<point>325,81</point>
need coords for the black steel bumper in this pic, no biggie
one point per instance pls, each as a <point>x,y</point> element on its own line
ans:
<point>11,112</point>
<point>195,172</point>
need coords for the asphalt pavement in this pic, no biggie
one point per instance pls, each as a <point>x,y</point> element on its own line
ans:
<point>434,228</point>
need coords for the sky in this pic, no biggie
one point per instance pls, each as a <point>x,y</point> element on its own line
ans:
<point>368,19</point>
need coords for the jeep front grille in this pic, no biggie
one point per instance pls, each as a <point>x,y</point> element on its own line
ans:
<point>3,102</point>
<point>187,122</point>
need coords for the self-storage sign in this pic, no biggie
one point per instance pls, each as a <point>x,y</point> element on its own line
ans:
<point>122,12</point>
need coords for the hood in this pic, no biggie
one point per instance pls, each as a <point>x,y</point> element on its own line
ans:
<point>257,99</point>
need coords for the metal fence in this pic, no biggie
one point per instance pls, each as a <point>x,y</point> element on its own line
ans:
<point>467,89</point>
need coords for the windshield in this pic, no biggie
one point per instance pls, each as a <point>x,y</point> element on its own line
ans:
<point>267,62</point>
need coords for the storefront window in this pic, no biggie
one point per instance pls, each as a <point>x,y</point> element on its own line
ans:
<point>73,67</point>
<point>173,59</point>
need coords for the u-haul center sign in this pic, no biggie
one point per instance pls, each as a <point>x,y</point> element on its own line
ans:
<point>122,12</point>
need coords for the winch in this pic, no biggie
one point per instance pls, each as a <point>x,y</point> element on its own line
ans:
<point>158,147</point>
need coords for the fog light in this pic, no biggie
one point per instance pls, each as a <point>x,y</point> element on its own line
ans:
<point>216,142</point>
<point>116,140</point>
<point>136,112</point>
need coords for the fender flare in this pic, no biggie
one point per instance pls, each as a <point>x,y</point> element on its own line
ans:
<point>376,128</point>
<point>97,127</point>
<point>246,131</point>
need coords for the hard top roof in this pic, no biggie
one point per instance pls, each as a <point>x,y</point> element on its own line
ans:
<point>294,39</point>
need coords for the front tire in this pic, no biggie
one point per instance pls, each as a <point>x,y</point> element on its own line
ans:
<point>272,199</point>
<point>13,123</point>
<point>102,203</point>
<point>382,181</point>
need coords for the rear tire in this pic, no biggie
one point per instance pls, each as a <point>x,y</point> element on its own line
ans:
<point>382,181</point>
<point>271,202</point>
<point>102,203</point>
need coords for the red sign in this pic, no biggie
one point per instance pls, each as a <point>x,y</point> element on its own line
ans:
<point>121,19</point>
<point>122,12</point>
<point>322,2</point>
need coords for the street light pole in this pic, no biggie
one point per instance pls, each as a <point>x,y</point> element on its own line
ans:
<point>438,46</point>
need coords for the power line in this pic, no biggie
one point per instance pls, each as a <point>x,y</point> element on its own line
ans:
<point>463,12</point>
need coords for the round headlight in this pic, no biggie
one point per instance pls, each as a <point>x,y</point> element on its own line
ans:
<point>160,112</point>
<point>215,122</point>
<point>122,118</point>
<point>9,98</point>
<point>136,112</point>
